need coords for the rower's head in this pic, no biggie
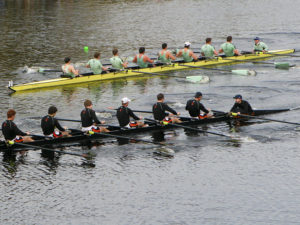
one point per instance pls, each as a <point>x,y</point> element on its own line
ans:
<point>125,101</point>
<point>88,104</point>
<point>208,40</point>
<point>52,110</point>
<point>164,46</point>
<point>198,96</point>
<point>256,40</point>
<point>142,50</point>
<point>115,51</point>
<point>97,55</point>
<point>238,99</point>
<point>187,44</point>
<point>11,114</point>
<point>229,39</point>
<point>67,60</point>
<point>160,97</point>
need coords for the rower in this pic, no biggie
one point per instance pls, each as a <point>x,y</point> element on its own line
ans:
<point>69,69</point>
<point>51,126</point>
<point>159,111</point>
<point>10,130</point>
<point>241,106</point>
<point>124,113</point>
<point>208,50</point>
<point>228,48</point>
<point>142,60</point>
<point>116,62</point>
<point>96,65</point>
<point>259,46</point>
<point>164,55</point>
<point>187,54</point>
<point>195,107</point>
<point>89,119</point>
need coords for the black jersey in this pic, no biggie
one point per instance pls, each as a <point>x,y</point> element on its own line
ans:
<point>10,130</point>
<point>244,108</point>
<point>88,117</point>
<point>159,110</point>
<point>195,107</point>
<point>49,123</point>
<point>124,114</point>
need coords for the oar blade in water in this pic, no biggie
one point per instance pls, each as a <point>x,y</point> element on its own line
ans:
<point>282,65</point>
<point>244,72</point>
<point>198,79</point>
<point>164,151</point>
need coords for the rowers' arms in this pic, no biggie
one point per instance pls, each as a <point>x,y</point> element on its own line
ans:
<point>133,115</point>
<point>202,108</point>
<point>76,72</point>
<point>95,118</point>
<point>236,52</point>
<point>58,126</point>
<point>17,131</point>
<point>179,54</point>
<point>170,56</point>
<point>169,109</point>
<point>234,107</point>
<point>221,50</point>
<point>134,59</point>
<point>147,59</point>
<point>192,54</point>
<point>215,52</point>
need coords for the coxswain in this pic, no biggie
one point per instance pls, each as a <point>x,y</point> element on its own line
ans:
<point>51,126</point>
<point>142,60</point>
<point>187,54</point>
<point>124,113</point>
<point>228,48</point>
<point>10,130</point>
<point>96,65</point>
<point>259,46</point>
<point>195,107</point>
<point>159,111</point>
<point>241,106</point>
<point>208,50</point>
<point>116,62</point>
<point>164,55</point>
<point>68,69</point>
<point>89,119</point>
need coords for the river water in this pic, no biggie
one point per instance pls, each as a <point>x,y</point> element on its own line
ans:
<point>210,180</point>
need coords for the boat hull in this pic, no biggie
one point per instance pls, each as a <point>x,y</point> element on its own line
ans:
<point>158,69</point>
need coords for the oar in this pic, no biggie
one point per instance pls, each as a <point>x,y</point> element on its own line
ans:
<point>49,149</point>
<point>191,128</point>
<point>278,54</point>
<point>278,65</point>
<point>237,72</point>
<point>262,118</point>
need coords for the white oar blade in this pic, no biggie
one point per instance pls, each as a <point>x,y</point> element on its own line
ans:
<point>244,72</point>
<point>164,151</point>
<point>198,79</point>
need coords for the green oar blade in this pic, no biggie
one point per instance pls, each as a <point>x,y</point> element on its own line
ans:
<point>244,72</point>
<point>198,79</point>
<point>282,65</point>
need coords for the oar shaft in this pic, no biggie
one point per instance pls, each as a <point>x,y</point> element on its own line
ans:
<point>267,119</point>
<point>155,74</point>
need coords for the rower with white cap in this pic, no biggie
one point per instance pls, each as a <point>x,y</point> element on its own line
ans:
<point>124,113</point>
<point>187,54</point>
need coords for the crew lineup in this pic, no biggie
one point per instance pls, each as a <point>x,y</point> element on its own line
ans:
<point>90,123</point>
<point>228,49</point>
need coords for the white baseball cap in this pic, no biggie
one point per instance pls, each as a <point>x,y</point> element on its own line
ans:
<point>125,100</point>
<point>187,43</point>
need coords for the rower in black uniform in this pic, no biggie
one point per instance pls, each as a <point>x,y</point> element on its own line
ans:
<point>195,107</point>
<point>159,111</point>
<point>10,130</point>
<point>89,119</point>
<point>241,106</point>
<point>124,113</point>
<point>51,126</point>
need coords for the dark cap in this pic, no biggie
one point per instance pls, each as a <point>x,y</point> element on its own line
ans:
<point>198,94</point>
<point>238,96</point>
<point>256,38</point>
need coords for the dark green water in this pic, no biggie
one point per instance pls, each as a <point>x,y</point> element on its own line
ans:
<point>210,180</point>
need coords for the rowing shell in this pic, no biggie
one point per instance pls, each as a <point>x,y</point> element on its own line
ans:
<point>158,69</point>
<point>82,139</point>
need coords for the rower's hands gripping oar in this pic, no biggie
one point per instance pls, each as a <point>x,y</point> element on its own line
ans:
<point>47,149</point>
